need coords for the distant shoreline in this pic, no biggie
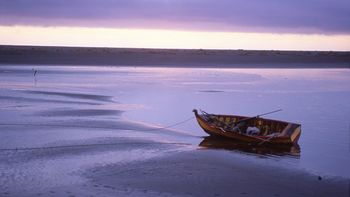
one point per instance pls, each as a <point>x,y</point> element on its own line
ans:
<point>48,55</point>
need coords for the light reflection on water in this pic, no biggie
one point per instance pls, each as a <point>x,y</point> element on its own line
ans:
<point>318,99</point>
<point>226,144</point>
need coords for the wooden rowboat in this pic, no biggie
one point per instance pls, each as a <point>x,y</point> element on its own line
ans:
<point>272,132</point>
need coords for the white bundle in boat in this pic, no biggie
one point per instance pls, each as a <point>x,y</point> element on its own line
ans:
<point>253,131</point>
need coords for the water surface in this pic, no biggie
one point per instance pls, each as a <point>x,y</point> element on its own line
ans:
<point>85,116</point>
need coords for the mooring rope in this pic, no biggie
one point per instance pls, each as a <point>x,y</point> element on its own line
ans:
<point>87,145</point>
<point>95,127</point>
<point>173,125</point>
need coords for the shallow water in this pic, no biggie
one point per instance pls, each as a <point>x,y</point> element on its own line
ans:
<point>83,116</point>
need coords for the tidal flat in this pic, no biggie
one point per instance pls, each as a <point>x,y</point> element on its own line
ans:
<point>107,131</point>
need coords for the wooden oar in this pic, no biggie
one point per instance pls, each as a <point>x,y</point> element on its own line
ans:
<point>243,120</point>
<point>260,143</point>
<point>264,114</point>
<point>267,140</point>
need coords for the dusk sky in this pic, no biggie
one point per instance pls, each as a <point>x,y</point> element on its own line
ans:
<point>250,24</point>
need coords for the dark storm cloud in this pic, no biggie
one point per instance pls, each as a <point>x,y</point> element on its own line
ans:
<point>279,16</point>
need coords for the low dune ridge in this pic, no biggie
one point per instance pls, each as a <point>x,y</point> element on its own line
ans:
<point>48,55</point>
<point>93,97</point>
<point>81,112</point>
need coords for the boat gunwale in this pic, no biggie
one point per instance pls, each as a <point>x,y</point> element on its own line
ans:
<point>220,132</point>
<point>272,120</point>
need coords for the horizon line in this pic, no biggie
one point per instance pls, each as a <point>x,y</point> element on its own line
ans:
<point>163,48</point>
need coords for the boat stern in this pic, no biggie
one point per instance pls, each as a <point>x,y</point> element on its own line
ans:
<point>296,134</point>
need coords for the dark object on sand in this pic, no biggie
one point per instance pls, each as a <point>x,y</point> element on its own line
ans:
<point>35,71</point>
<point>253,130</point>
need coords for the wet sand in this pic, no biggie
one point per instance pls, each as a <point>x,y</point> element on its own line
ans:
<point>99,131</point>
<point>173,57</point>
<point>212,173</point>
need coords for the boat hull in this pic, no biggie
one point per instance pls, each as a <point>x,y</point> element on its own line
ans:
<point>289,135</point>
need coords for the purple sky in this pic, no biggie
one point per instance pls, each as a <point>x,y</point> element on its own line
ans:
<point>275,16</point>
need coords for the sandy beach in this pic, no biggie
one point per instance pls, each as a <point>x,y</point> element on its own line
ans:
<point>172,57</point>
<point>103,131</point>
<point>212,173</point>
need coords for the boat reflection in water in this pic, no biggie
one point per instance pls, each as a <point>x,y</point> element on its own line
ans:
<point>230,144</point>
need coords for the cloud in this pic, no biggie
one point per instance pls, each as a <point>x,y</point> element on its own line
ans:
<point>276,16</point>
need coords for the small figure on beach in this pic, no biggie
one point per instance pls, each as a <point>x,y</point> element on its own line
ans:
<point>35,71</point>
<point>34,74</point>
